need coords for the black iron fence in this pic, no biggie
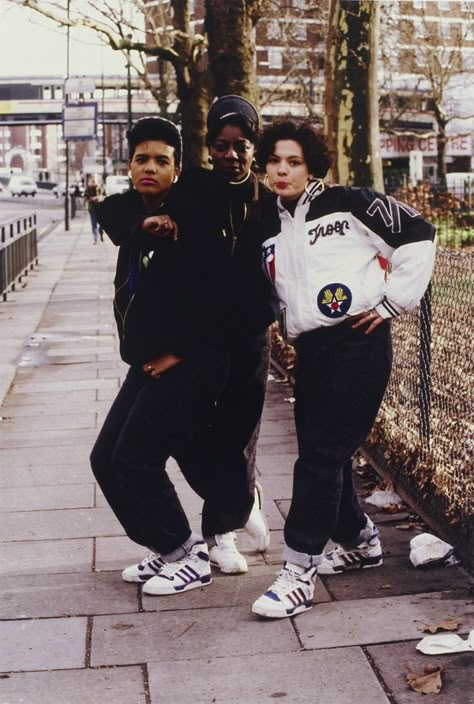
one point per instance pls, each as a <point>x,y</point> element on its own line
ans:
<point>18,251</point>
<point>423,438</point>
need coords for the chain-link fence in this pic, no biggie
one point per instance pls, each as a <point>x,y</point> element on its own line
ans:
<point>451,210</point>
<point>423,437</point>
<point>424,434</point>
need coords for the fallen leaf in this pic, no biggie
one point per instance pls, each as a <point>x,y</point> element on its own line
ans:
<point>425,683</point>
<point>122,626</point>
<point>393,508</point>
<point>448,624</point>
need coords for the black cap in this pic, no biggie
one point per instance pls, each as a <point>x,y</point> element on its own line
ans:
<point>232,108</point>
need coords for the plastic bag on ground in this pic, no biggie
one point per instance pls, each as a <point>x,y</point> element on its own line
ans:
<point>383,498</point>
<point>441,643</point>
<point>426,549</point>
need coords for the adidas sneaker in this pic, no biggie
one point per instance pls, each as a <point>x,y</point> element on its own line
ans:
<point>290,594</point>
<point>367,553</point>
<point>144,570</point>
<point>257,526</point>
<point>225,556</point>
<point>190,572</point>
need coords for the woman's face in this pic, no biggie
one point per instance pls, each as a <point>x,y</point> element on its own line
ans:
<point>232,153</point>
<point>286,170</point>
<point>153,170</point>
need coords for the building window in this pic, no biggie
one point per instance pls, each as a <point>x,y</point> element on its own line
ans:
<point>300,32</point>
<point>275,58</point>
<point>445,30</point>
<point>273,30</point>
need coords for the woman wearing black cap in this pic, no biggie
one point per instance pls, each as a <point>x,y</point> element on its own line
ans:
<point>218,214</point>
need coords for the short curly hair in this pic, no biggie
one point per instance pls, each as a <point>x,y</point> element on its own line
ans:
<point>313,143</point>
<point>159,128</point>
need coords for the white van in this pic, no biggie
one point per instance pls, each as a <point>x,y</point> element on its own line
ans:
<point>116,184</point>
<point>22,186</point>
<point>460,180</point>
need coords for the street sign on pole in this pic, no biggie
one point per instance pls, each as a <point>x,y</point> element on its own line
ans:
<point>79,84</point>
<point>79,121</point>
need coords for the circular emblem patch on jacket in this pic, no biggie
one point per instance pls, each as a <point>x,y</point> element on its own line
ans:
<point>334,300</point>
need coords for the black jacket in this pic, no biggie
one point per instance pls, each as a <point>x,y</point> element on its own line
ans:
<point>163,302</point>
<point>225,220</point>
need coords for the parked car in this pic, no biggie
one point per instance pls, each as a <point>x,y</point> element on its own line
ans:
<point>75,189</point>
<point>22,186</point>
<point>116,184</point>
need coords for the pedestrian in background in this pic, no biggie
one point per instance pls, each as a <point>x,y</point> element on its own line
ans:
<point>344,262</point>
<point>94,194</point>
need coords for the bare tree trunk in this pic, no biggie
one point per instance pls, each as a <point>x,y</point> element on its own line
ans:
<point>352,117</point>
<point>441,141</point>
<point>192,78</point>
<point>230,30</point>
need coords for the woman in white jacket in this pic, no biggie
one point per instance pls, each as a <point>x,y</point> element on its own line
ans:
<point>344,261</point>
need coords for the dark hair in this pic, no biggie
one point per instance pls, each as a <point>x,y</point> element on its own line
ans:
<point>313,143</point>
<point>232,110</point>
<point>155,128</point>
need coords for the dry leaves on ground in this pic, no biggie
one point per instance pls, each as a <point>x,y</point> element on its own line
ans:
<point>429,682</point>
<point>449,624</point>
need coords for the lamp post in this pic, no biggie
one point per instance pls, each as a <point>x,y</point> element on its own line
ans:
<point>66,197</point>
<point>129,87</point>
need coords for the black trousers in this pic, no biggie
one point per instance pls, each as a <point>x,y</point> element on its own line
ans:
<point>149,421</point>
<point>220,461</point>
<point>341,378</point>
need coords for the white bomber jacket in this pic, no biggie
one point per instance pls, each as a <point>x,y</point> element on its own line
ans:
<point>329,260</point>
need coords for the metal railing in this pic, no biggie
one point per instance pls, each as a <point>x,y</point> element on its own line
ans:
<point>18,251</point>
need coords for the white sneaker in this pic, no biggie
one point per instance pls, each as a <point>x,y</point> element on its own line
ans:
<point>146,569</point>
<point>225,556</point>
<point>290,594</point>
<point>257,526</point>
<point>368,553</point>
<point>191,572</point>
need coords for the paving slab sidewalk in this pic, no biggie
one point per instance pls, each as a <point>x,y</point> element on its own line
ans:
<point>72,632</point>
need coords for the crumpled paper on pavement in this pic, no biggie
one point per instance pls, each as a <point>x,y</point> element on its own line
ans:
<point>445,643</point>
<point>426,549</point>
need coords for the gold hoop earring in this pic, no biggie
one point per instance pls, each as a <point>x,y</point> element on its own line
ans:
<point>209,159</point>
<point>266,182</point>
<point>175,178</point>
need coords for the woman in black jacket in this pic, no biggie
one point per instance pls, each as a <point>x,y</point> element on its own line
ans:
<point>218,217</point>
<point>177,368</point>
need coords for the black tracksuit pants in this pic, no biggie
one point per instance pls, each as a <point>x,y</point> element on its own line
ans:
<point>149,421</point>
<point>220,461</point>
<point>341,378</point>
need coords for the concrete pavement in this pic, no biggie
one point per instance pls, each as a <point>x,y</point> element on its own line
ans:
<point>72,632</point>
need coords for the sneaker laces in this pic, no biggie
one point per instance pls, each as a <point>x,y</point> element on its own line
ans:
<point>152,557</point>
<point>286,580</point>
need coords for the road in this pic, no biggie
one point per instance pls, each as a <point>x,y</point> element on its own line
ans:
<point>47,207</point>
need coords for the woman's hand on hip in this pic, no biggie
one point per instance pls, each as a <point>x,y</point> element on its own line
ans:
<point>159,365</point>
<point>370,318</point>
